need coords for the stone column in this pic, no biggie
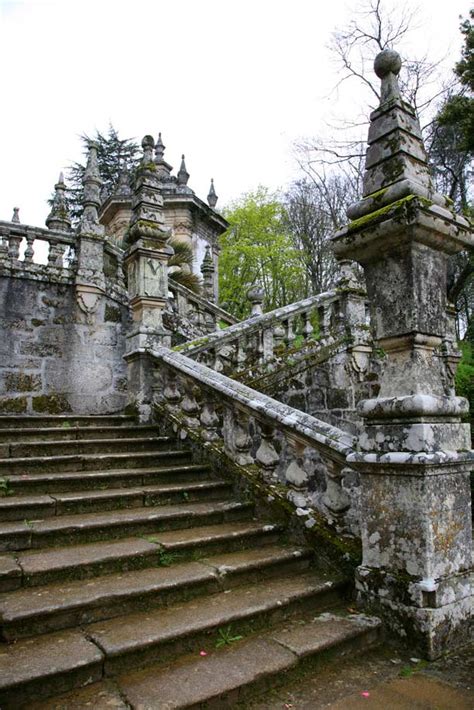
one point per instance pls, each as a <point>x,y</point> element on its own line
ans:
<point>414,457</point>
<point>207,271</point>
<point>90,277</point>
<point>146,259</point>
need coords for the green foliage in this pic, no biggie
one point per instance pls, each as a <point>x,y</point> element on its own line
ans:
<point>5,487</point>
<point>226,637</point>
<point>257,248</point>
<point>181,264</point>
<point>114,154</point>
<point>465,373</point>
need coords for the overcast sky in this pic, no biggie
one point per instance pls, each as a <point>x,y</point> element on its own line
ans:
<point>231,83</point>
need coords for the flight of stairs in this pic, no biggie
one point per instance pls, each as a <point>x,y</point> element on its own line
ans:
<point>128,574</point>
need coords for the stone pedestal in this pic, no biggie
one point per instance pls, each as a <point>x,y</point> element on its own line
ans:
<point>414,456</point>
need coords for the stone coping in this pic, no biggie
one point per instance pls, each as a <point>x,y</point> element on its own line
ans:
<point>415,405</point>
<point>313,432</point>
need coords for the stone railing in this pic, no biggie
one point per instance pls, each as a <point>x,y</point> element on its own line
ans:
<point>194,314</point>
<point>259,340</point>
<point>50,256</point>
<point>36,253</point>
<point>287,447</point>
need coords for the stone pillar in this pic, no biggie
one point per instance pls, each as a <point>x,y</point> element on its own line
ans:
<point>207,271</point>
<point>413,457</point>
<point>90,277</point>
<point>256,296</point>
<point>146,260</point>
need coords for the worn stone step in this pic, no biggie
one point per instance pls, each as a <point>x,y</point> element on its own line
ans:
<point>94,559</point>
<point>77,433</point>
<point>28,612</point>
<point>90,462</point>
<point>46,665</point>
<point>34,507</point>
<point>88,527</point>
<point>19,422</point>
<point>145,637</point>
<point>68,481</point>
<point>34,449</point>
<point>226,678</point>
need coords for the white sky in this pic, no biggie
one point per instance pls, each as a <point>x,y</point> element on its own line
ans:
<point>231,83</point>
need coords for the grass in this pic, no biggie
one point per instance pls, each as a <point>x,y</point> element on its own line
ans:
<point>225,636</point>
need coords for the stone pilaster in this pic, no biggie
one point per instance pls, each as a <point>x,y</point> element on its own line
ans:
<point>90,278</point>
<point>146,260</point>
<point>414,456</point>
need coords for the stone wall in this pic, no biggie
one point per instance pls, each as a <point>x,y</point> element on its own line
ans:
<point>52,360</point>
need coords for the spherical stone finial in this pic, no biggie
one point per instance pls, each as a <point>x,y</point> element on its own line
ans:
<point>148,142</point>
<point>388,61</point>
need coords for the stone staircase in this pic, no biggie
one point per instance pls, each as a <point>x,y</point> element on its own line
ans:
<point>132,577</point>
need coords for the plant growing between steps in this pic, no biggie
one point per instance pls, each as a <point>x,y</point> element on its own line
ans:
<point>5,487</point>
<point>225,637</point>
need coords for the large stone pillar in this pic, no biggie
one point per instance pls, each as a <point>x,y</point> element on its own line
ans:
<point>414,456</point>
<point>146,260</point>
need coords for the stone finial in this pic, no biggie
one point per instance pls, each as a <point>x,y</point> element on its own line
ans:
<point>212,197</point>
<point>148,144</point>
<point>256,295</point>
<point>183,175</point>
<point>207,271</point>
<point>92,182</point>
<point>159,150</point>
<point>16,215</point>
<point>387,66</point>
<point>58,218</point>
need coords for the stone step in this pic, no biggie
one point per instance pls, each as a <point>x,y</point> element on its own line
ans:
<point>33,507</point>
<point>64,662</point>
<point>145,637</point>
<point>69,481</point>
<point>33,568</point>
<point>19,422</point>
<point>90,462</point>
<point>227,678</point>
<point>77,433</point>
<point>35,449</point>
<point>40,610</point>
<point>89,527</point>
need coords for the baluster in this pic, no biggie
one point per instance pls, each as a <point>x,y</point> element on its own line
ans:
<point>307,325</point>
<point>55,255</point>
<point>209,420</point>
<point>210,321</point>
<point>29,251</point>
<point>190,405</point>
<point>266,454</point>
<point>4,247</point>
<point>267,344</point>
<point>290,333</point>
<point>242,438</point>
<point>241,352</point>
<point>218,364</point>
<point>171,393</point>
<point>14,246</point>
<point>295,475</point>
<point>335,498</point>
<point>278,335</point>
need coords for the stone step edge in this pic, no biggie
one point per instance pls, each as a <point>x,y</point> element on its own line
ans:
<point>110,472</point>
<point>206,571</point>
<point>12,567</point>
<point>248,667</point>
<point>86,442</point>
<point>72,458</point>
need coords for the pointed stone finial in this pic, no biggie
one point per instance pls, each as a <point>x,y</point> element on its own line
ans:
<point>16,215</point>
<point>207,271</point>
<point>183,175</point>
<point>92,182</point>
<point>58,218</point>
<point>212,197</point>
<point>159,149</point>
<point>147,144</point>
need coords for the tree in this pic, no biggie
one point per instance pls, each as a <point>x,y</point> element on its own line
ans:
<point>257,248</point>
<point>114,154</point>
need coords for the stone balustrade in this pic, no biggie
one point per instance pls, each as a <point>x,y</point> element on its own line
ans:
<point>286,446</point>
<point>50,256</point>
<point>202,315</point>
<point>257,341</point>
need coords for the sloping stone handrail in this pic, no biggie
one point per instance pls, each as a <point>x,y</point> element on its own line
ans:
<point>288,446</point>
<point>203,314</point>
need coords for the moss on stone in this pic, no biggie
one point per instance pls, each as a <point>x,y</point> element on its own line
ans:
<point>21,382</point>
<point>387,209</point>
<point>36,322</point>
<point>112,314</point>
<point>51,404</point>
<point>13,405</point>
